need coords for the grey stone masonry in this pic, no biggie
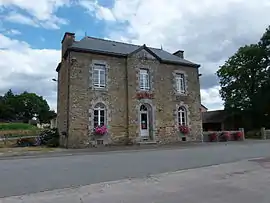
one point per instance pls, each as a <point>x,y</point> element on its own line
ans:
<point>77,98</point>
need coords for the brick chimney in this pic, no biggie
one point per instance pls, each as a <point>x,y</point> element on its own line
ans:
<point>67,41</point>
<point>179,53</point>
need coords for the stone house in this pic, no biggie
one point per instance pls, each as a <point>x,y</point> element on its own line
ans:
<point>141,94</point>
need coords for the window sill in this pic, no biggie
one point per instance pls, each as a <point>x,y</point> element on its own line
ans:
<point>181,94</point>
<point>144,90</point>
<point>104,89</point>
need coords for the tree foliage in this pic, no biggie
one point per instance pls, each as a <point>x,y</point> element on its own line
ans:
<point>24,106</point>
<point>245,80</point>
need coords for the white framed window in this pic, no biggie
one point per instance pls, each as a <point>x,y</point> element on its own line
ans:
<point>180,83</point>
<point>182,116</point>
<point>99,75</point>
<point>99,115</point>
<point>144,79</point>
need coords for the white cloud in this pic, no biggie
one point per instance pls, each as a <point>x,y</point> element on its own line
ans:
<point>10,32</point>
<point>101,13</point>
<point>208,30</point>
<point>41,13</point>
<point>13,32</point>
<point>211,99</point>
<point>23,68</point>
<point>22,19</point>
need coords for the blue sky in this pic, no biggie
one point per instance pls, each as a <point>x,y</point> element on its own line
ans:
<point>208,31</point>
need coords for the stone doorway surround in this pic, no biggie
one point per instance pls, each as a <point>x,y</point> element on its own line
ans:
<point>146,107</point>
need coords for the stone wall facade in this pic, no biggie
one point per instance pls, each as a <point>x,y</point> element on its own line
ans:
<point>119,98</point>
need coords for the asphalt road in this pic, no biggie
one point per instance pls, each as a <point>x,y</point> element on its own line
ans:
<point>24,176</point>
<point>246,181</point>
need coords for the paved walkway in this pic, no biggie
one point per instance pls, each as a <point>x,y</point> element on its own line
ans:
<point>241,182</point>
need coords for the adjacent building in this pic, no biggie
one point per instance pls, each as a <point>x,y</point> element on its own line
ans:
<point>141,94</point>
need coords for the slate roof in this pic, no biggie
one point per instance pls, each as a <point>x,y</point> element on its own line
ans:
<point>97,45</point>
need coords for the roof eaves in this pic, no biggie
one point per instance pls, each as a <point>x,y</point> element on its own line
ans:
<point>194,65</point>
<point>204,106</point>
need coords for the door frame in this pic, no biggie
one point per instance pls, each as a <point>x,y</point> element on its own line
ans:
<point>144,132</point>
<point>149,112</point>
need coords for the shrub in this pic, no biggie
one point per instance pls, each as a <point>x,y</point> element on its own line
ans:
<point>238,135</point>
<point>212,137</point>
<point>224,136</point>
<point>254,134</point>
<point>49,137</point>
<point>26,142</point>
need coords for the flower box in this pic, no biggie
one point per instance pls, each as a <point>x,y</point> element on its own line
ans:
<point>184,130</point>
<point>144,95</point>
<point>213,137</point>
<point>238,135</point>
<point>224,137</point>
<point>100,130</point>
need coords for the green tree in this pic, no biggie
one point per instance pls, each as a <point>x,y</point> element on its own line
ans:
<point>265,45</point>
<point>264,95</point>
<point>244,80</point>
<point>6,106</point>
<point>29,104</point>
<point>24,106</point>
<point>241,77</point>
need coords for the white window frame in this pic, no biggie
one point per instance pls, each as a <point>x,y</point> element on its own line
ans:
<point>100,69</point>
<point>182,116</point>
<point>99,107</point>
<point>180,83</point>
<point>144,79</point>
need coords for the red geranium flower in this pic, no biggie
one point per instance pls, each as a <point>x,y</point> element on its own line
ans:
<point>184,129</point>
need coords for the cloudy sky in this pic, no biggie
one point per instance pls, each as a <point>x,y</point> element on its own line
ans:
<point>208,30</point>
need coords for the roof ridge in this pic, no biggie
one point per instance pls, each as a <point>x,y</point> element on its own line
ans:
<point>109,40</point>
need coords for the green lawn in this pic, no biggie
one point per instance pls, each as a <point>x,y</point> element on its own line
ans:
<point>18,129</point>
<point>16,126</point>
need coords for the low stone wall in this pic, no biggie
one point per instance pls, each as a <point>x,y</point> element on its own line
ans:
<point>231,134</point>
<point>265,133</point>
